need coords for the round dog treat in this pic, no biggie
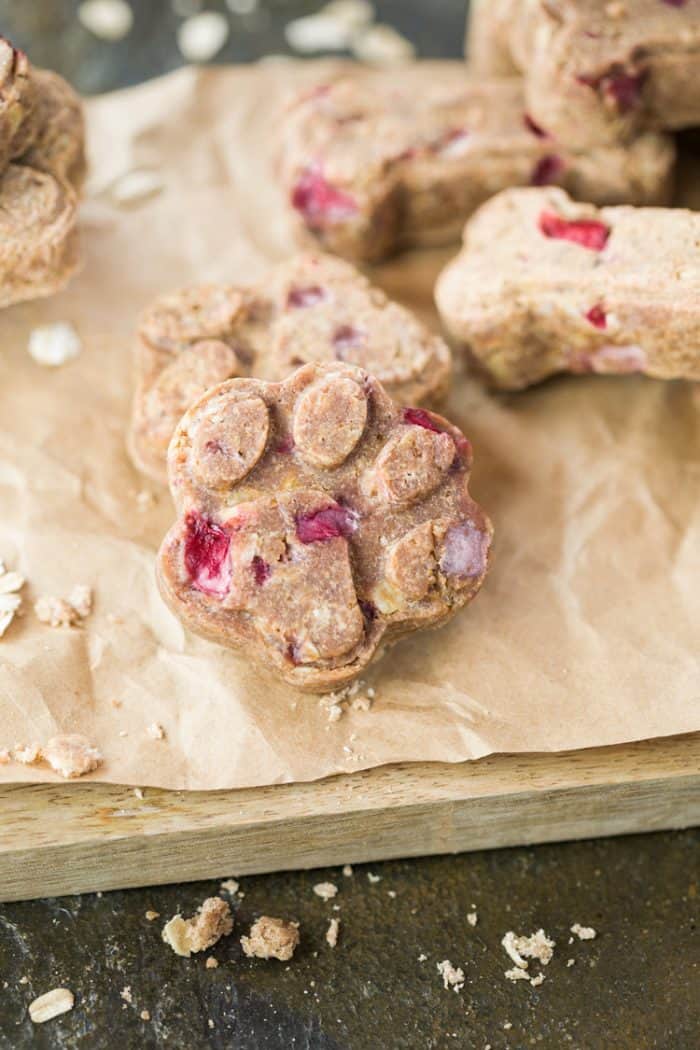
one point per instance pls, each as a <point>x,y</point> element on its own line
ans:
<point>59,147</point>
<point>318,521</point>
<point>19,122</point>
<point>313,308</point>
<point>38,236</point>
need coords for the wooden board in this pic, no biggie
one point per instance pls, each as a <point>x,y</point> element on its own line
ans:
<point>57,839</point>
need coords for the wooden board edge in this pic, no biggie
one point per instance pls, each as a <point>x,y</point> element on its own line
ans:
<point>355,836</point>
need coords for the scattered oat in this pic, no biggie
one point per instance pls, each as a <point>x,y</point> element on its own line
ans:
<point>537,946</point>
<point>72,755</point>
<point>584,933</point>
<point>202,36</point>
<point>155,731</point>
<point>107,19</point>
<point>570,962</point>
<point>54,344</point>
<point>212,922</point>
<point>347,871</point>
<point>271,938</point>
<point>382,45</point>
<point>126,995</point>
<point>51,1004</point>
<point>472,918</point>
<point>230,886</point>
<point>422,957</point>
<point>26,754</point>
<point>332,932</point>
<point>452,976</point>
<point>325,890</point>
<point>151,915</point>
<point>212,963</point>
<point>145,1015</point>
<point>10,599</point>
<point>319,32</point>
<point>134,186</point>
<point>139,793</point>
<point>373,878</point>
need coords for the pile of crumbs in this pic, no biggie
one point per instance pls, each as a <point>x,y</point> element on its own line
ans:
<point>69,754</point>
<point>520,948</point>
<point>271,938</point>
<point>452,976</point>
<point>203,930</point>
<point>65,612</point>
<point>11,583</point>
<point>357,696</point>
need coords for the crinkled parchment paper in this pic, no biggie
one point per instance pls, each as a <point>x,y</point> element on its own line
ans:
<point>586,632</point>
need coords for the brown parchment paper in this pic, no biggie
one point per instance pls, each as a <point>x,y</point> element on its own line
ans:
<point>586,632</point>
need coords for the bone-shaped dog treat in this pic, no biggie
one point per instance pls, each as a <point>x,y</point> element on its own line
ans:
<point>377,163</point>
<point>544,285</point>
<point>318,520</point>
<point>18,104</point>
<point>310,308</point>
<point>600,71</point>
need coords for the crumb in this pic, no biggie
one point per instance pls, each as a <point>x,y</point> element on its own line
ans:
<point>54,344</point>
<point>391,893</point>
<point>27,754</point>
<point>11,583</point>
<point>452,976</point>
<point>229,886</point>
<point>361,703</point>
<point>210,1023</point>
<point>517,974</point>
<point>347,871</point>
<point>472,918</point>
<point>335,713</point>
<point>52,1004</point>
<point>212,963</point>
<point>139,793</point>
<point>126,995</point>
<point>62,612</point>
<point>80,598</point>
<point>271,938</point>
<point>71,755</point>
<point>570,962</point>
<point>422,957</point>
<point>535,981</point>
<point>24,979</point>
<point>332,932</point>
<point>155,731</point>
<point>151,915</point>
<point>145,1015</point>
<point>373,878</point>
<point>537,946</point>
<point>212,922</point>
<point>325,890</point>
<point>584,933</point>
<point>507,1025</point>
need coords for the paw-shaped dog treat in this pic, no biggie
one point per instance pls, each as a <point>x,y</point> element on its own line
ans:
<point>383,161</point>
<point>545,285</point>
<point>18,104</point>
<point>318,520</point>
<point>312,308</point>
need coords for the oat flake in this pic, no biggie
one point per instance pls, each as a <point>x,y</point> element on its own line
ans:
<point>107,19</point>
<point>202,36</point>
<point>52,1004</point>
<point>54,344</point>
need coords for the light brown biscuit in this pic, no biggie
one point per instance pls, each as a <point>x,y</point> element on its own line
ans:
<point>309,308</point>
<point>59,147</point>
<point>545,285</point>
<point>602,71</point>
<point>318,521</point>
<point>38,235</point>
<point>384,161</point>
<point>19,123</point>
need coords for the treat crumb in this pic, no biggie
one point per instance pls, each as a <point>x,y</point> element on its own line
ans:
<point>62,612</point>
<point>81,599</point>
<point>452,976</point>
<point>347,871</point>
<point>51,1004</point>
<point>106,19</point>
<point>570,962</point>
<point>230,886</point>
<point>271,938</point>
<point>535,981</point>
<point>584,933</point>
<point>26,754</point>
<point>212,922</point>
<point>517,974</point>
<point>54,344</point>
<point>151,915</point>
<point>332,932</point>
<point>211,963</point>
<point>371,877</point>
<point>10,599</point>
<point>72,755</point>
<point>537,946</point>
<point>145,1015</point>
<point>156,731</point>
<point>325,890</point>
<point>472,918</point>
<point>126,995</point>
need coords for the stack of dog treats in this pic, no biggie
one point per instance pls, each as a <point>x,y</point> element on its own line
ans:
<point>42,166</point>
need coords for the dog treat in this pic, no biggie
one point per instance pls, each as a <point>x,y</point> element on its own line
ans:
<point>487,45</point>
<point>18,104</point>
<point>387,161</point>
<point>59,147</point>
<point>544,285</point>
<point>38,235</point>
<point>600,72</point>
<point>310,308</point>
<point>318,521</point>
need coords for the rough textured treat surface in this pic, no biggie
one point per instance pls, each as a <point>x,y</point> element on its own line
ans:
<point>375,163</point>
<point>18,103</point>
<point>59,146</point>
<point>598,72</point>
<point>544,285</point>
<point>313,308</point>
<point>319,552</point>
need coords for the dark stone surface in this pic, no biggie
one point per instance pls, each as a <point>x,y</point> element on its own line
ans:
<point>635,987</point>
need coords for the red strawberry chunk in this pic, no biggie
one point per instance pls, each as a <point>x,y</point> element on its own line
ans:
<point>207,556</point>
<point>588,233</point>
